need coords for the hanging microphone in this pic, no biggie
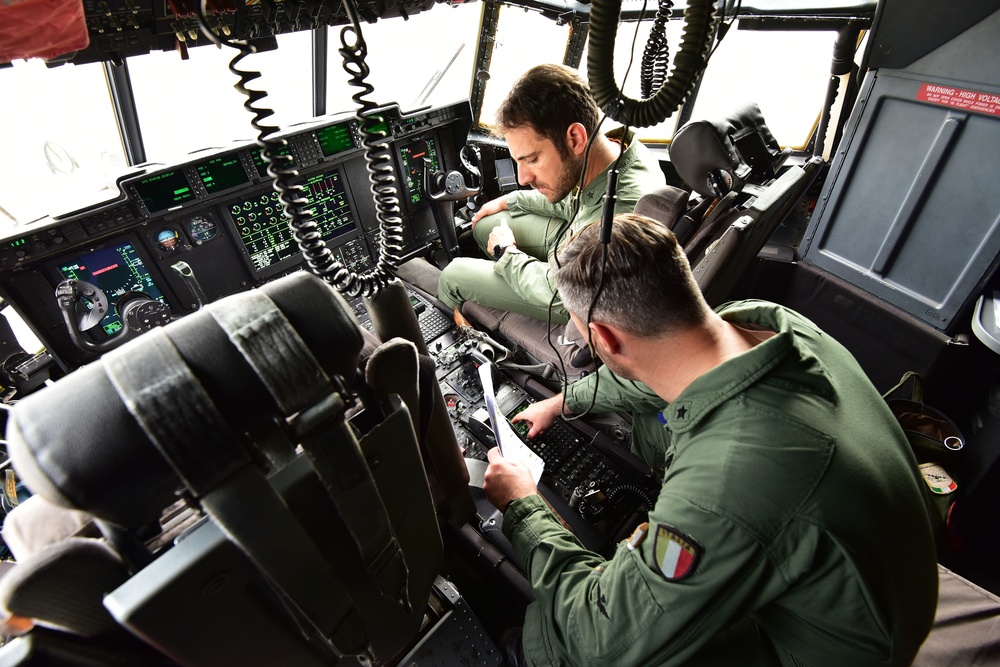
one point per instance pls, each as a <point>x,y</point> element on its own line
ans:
<point>608,213</point>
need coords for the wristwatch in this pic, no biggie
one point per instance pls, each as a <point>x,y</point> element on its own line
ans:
<point>498,250</point>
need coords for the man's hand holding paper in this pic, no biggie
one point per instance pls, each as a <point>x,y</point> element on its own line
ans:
<point>514,469</point>
<point>509,444</point>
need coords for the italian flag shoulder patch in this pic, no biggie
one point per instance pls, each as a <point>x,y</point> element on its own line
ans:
<point>676,554</point>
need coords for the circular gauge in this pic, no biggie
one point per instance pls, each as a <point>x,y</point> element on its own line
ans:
<point>168,239</point>
<point>202,229</point>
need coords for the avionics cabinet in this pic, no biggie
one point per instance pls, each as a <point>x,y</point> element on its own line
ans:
<point>911,209</point>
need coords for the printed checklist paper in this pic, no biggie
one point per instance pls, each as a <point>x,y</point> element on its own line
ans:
<point>510,445</point>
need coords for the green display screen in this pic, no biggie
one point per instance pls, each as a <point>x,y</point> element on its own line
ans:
<point>335,139</point>
<point>162,191</point>
<point>221,173</point>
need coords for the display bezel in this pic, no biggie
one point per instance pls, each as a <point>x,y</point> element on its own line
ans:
<point>294,259</point>
<point>55,274</point>
<point>408,187</point>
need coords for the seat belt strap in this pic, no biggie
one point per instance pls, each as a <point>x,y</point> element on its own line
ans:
<point>314,407</point>
<point>183,423</point>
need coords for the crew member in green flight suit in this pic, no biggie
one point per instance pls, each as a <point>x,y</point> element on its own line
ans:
<point>791,527</point>
<point>550,122</point>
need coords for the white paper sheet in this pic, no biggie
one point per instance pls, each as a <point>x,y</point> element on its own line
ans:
<point>510,445</point>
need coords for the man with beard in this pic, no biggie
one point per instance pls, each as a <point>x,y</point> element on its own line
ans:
<point>550,122</point>
<point>791,527</point>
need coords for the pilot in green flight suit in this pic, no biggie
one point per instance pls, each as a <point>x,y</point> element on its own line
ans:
<point>547,119</point>
<point>791,527</point>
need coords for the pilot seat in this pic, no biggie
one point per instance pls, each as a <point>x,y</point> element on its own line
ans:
<point>259,483</point>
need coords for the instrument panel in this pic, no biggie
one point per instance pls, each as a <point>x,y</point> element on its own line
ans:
<point>219,217</point>
<point>219,214</point>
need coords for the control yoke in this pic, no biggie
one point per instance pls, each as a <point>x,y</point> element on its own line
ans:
<point>443,188</point>
<point>453,185</point>
<point>84,305</point>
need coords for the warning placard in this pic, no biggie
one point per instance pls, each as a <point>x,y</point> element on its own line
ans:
<point>959,98</point>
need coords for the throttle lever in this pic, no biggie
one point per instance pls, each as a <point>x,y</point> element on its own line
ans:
<point>183,269</point>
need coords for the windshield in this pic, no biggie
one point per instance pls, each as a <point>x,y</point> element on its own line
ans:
<point>61,145</point>
<point>785,72</point>
<point>64,150</point>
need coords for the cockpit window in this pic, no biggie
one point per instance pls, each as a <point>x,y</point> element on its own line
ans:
<point>785,72</point>
<point>65,147</point>
<point>524,39</point>
<point>61,147</point>
<point>185,106</point>
<point>426,60</point>
<point>630,42</point>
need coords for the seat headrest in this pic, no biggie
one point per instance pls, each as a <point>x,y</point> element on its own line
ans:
<point>665,204</point>
<point>719,156</point>
<point>77,444</point>
<point>36,524</point>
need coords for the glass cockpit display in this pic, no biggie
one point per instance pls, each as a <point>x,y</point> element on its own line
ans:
<point>414,157</point>
<point>221,173</point>
<point>264,230</point>
<point>335,139</point>
<point>114,270</point>
<point>164,190</point>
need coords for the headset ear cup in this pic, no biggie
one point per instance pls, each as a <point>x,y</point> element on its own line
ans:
<point>720,181</point>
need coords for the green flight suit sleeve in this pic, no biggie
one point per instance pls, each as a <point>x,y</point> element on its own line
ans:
<point>531,201</point>
<point>614,394</point>
<point>591,611</point>
<point>529,278</point>
<point>524,202</point>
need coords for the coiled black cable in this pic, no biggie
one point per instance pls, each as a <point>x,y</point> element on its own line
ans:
<point>613,499</point>
<point>378,159</point>
<point>294,204</point>
<point>656,54</point>
<point>689,62</point>
<point>279,162</point>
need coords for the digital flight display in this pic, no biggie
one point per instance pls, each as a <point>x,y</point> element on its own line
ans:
<point>162,191</point>
<point>264,229</point>
<point>261,165</point>
<point>221,173</point>
<point>335,139</point>
<point>414,157</point>
<point>114,270</point>
<point>328,202</point>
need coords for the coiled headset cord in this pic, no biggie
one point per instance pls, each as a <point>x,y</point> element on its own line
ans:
<point>292,195</point>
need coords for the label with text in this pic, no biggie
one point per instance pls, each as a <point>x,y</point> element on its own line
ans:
<point>960,98</point>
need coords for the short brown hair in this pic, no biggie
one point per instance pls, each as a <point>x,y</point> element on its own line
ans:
<point>648,287</point>
<point>548,99</point>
